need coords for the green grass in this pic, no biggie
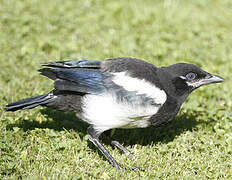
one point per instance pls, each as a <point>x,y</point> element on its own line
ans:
<point>45,144</point>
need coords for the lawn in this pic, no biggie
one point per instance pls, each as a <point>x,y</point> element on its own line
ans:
<point>46,144</point>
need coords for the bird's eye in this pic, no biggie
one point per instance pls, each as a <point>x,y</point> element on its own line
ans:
<point>191,76</point>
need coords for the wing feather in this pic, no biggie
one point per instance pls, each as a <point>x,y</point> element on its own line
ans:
<point>78,76</point>
<point>75,64</point>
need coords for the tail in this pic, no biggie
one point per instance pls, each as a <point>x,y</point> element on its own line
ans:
<point>29,103</point>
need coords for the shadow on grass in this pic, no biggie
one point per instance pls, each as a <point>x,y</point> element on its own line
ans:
<point>164,133</point>
<point>142,136</point>
<point>59,121</point>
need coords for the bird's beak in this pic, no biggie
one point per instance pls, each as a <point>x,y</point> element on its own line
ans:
<point>211,79</point>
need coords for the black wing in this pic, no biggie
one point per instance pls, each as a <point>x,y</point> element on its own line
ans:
<point>78,76</point>
<point>75,64</point>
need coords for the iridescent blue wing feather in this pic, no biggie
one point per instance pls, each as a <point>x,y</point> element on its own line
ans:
<point>79,76</point>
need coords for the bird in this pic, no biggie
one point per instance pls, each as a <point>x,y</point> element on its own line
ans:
<point>118,93</point>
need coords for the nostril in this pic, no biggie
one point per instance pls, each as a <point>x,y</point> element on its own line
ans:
<point>208,76</point>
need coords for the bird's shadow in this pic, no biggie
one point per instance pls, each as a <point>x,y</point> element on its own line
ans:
<point>57,120</point>
<point>164,133</point>
<point>127,137</point>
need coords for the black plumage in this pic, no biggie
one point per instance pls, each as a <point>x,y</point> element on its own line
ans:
<point>118,93</point>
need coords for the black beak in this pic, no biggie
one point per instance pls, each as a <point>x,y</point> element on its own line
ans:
<point>211,79</point>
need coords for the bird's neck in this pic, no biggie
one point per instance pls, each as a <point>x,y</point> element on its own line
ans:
<point>175,88</point>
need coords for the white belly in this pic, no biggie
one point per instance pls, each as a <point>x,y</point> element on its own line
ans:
<point>106,112</point>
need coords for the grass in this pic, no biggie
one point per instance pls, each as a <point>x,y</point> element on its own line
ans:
<point>45,144</point>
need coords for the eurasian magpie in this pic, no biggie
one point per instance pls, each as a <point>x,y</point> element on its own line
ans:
<point>118,93</point>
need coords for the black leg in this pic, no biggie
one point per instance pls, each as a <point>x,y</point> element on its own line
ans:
<point>109,134</point>
<point>93,137</point>
<point>118,145</point>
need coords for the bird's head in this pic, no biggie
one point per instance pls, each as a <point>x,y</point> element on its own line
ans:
<point>188,77</point>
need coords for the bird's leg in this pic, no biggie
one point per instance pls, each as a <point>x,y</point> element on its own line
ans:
<point>121,147</point>
<point>109,134</point>
<point>94,138</point>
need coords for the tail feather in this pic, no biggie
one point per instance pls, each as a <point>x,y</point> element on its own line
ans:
<point>29,103</point>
